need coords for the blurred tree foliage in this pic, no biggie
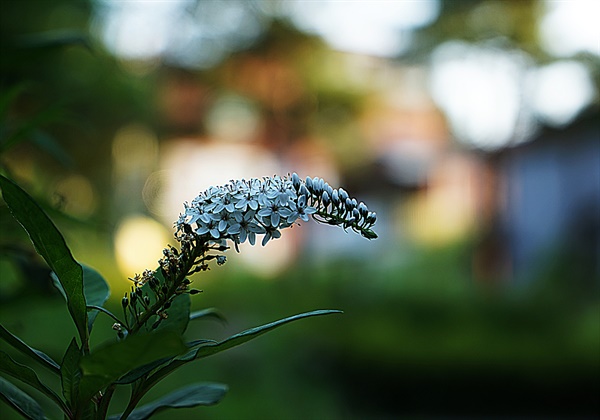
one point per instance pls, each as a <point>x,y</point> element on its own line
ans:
<point>49,53</point>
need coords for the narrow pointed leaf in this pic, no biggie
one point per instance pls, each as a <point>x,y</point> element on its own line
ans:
<point>137,373</point>
<point>18,399</point>
<point>71,373</point>
<point>96,291</point>
<point>208,313</point>
<point>27,375</point>
<point>50,244</point>
<point>211,348</point>
<point>54,39</point>
<point>245,336</point>
<point>191,396</point>
<point>58,286</point>
<point>36,355</point>
<point>107,364</point>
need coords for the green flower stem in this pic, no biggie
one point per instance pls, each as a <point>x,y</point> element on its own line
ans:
<point>189,261</point>
<point>137,392</point>
<point>109,313</point>
<point>105,402</point>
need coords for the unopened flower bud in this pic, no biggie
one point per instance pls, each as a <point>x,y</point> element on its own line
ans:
<point>371,218</point>
<point>343,195</point>
<point>309,183</point>
<point>349,204</point>
<point>296,181</point>
<point>335,198</point>
<point>362,208</point>
<point>326,199</point>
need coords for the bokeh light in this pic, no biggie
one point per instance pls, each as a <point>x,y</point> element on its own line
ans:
<point>380,28</point>
<point>139,242</point>
<point>561,90</point>
<point>75,195</point>
<point>479,88</point>
<point>570,27</point>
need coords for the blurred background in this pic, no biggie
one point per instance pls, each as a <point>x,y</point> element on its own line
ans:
<point>470,127</point>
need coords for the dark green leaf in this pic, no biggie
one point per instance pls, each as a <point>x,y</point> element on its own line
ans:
<point>36,355</point>
<point>20,400</point>
<point>96,291</point>
<point>144,370</point>
<point>26,375</point>
<point>51,245</point>
<point>197,343</point>
<point>178,315</point>
<point>107,364</point>
<point>190,396</point>
<point>235,340</point>
<point>208,313</point>
<point>137,373</point>
<point>56,283</point>
<point>70,373</point>
<point>245,336</point>
<point>54,39</point>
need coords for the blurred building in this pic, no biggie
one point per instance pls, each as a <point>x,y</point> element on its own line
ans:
<point>551,202</point>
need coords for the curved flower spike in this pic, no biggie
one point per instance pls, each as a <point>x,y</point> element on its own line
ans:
<point>268,205</point>
<point>238,211</point>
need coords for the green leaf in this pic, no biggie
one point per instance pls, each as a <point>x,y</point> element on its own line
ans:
<point>20,400</point>
<point>27,375</point>
<point>190,396</point>
<point>96,291</point>
<point>179,315</point>
<point>71,373</point>
<point>208,313</point>
<point>137,373</point>
<point>36,355</point>
<point>210,348</point>
<point>245,336</point>
<point>109,363</point>
<point>54,39</point>
<point>51,245</point>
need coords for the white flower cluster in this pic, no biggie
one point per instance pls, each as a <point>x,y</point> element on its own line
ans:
<point>242,209</point>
